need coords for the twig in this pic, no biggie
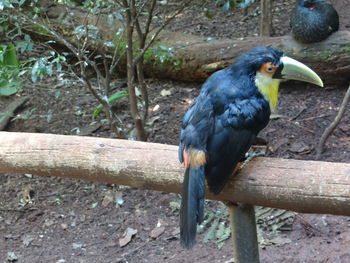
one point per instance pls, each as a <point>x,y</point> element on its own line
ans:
<point>298,114</point>
<point>3,209</point>
<point>314,117</point>
<point>157,32</point>
<point>302,127</point>
<point>333,125</point>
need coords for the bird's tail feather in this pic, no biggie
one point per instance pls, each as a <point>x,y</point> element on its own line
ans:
<point>192,205</point>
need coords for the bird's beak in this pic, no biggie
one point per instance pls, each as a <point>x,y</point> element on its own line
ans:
<point>293,69</point>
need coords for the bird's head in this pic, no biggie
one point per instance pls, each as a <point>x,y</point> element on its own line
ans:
<point>269,66</point>
<point>309,3</point>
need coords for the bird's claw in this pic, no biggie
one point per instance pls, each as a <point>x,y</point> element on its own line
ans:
<point>250,156</point>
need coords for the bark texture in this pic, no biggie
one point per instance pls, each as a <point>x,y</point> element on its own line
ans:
<point>195,57</point>
<point>303,186</point>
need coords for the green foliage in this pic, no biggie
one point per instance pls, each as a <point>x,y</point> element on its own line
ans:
<point>86,31</point>
<point>8,56</point>
<point>9,80</point>
<point>9,70</point>
<point>116,96</point>
<point>93,6</point>
<point>6,3</point>
<point>227,5</point>
<point>215,226</point>
<point>25,45</point>
<point>162,54</point>
<point>245,3</point>
<point>44,65</point>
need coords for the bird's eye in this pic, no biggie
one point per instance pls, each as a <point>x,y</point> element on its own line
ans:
<point>269,69</point>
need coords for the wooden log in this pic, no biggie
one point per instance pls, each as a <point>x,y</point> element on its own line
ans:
<point>195,57</point>
<point>8,112</point>
<point>302,186</point>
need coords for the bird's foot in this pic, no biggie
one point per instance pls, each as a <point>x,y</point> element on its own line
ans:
<point>250,156</point>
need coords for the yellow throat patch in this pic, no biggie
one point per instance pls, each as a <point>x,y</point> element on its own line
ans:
<point>268,87</point>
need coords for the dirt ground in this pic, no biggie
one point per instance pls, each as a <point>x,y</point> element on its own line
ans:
<point>78,221</point>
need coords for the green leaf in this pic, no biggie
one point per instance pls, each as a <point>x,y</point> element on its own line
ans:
<point>208,14</point>
<point>116,96</point>
<point>226,6</point>
<point>221,230</point>
<point>10,82</point>
<point>9,56</point>
<point>211,231</point>
<point>8,91</point>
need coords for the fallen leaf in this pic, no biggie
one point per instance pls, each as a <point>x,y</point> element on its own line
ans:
<point>176,231</point>
<point>48,223</point>
<point>175,206</point>
<point>107,199</point>
<point>280,241</point>
<point>152,120</point>
<point>64,226</point>
<point>27,239</point>
<point>155,108</point>
<point>11,256</point>
<point>27,193</point>
<point>127,236</point>
<point>89,129</point>
<point>119,199</point>
<point>299,147</point>
<point>77,245</point>
<point>158,230</point>
<point>278,144</point>
<point>276,116</point>
<point>165,92</point>
<point>215,65</point>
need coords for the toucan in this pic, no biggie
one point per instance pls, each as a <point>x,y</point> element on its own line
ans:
<point>313,21</point>
<point>234,104</point>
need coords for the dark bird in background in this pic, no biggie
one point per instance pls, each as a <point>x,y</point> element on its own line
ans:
<point>313,21</point>
<point>234,104</point>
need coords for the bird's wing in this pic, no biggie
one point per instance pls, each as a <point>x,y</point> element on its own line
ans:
<point>223,125</point>
<point>332,17</point>
<point>234,132</point>
<point>198,121</point>
<point>196,126</point>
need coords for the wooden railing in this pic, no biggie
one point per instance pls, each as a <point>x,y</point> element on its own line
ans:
<point>302,186</point>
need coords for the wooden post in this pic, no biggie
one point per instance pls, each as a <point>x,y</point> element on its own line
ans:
<point>265,18</point>
<point>243,232</point>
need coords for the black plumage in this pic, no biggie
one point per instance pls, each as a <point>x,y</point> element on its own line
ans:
<point>233,105</point>
<point>223,121</point>
<point>313,21</point>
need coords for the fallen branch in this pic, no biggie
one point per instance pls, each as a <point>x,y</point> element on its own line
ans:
<point>303,186</point>
<point>9,111</point>
<point>194,58</point>
<point>328,131</point>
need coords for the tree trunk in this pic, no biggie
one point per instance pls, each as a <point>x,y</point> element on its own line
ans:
<point>195,57</point>
<point>265,18</point>
<point>303,186</point>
